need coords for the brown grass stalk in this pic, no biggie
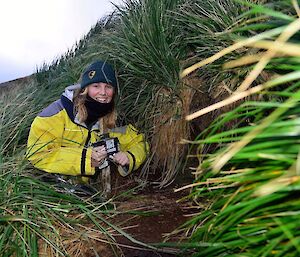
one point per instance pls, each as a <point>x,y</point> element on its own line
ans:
<point>296,6</point>
<point>169,128</point>
<point>230,100</point>
<point>287,33</point>
<point>230,49</point>
<point>272,46</point>
<point>246,60</point>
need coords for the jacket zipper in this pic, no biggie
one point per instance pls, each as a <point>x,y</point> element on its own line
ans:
<point>83,156</point>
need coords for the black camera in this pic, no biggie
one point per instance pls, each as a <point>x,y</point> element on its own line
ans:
<point>111,144</point>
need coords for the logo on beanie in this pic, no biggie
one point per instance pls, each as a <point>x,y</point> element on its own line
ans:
<point>91,74</point>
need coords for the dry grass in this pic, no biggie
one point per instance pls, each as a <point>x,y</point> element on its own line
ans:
<point>77,240</point>
<point>170,127</point>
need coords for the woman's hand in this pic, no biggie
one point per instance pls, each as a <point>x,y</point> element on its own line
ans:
<point>98,155</point>
<point>121,158</point>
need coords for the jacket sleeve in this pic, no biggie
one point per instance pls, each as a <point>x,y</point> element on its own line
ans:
<point>135,146</point>
<point>47,151</point>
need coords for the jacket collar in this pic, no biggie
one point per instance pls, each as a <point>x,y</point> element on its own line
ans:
<point>67,101</point>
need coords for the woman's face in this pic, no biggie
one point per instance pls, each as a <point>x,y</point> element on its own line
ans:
<point>101,92</point>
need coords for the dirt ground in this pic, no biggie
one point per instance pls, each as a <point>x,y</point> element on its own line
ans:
<point>146,213</point>
<point>160,214</point>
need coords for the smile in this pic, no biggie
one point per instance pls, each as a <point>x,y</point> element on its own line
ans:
<point>102,100</point>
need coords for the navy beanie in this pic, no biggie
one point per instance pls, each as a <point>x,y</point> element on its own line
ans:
<point>99,71</point>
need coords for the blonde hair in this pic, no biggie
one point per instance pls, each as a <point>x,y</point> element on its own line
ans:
<point>109,120</point>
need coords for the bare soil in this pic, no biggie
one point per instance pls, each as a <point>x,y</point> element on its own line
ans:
<point>157,214</point>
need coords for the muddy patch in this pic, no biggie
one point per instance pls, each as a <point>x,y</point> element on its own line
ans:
<point>149,216</point>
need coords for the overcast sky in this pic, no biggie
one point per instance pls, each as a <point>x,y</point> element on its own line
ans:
<point>34,31</point>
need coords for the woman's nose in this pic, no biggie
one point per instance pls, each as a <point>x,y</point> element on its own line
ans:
<point>102,91</point>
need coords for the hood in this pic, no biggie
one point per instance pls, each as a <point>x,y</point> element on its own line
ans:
<point>69,91</point>
<point>67,100</point>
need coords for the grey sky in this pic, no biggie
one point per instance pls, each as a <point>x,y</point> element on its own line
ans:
<point>35,31</point>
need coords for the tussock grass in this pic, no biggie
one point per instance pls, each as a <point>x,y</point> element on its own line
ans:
<point>251,177</point>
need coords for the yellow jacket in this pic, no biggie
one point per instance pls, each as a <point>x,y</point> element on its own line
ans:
<point>59,143</point>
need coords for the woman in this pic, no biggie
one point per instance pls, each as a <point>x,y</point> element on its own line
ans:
<point>63,136</point>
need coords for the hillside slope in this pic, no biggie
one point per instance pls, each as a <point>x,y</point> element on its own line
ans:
<point>15,84</point>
